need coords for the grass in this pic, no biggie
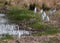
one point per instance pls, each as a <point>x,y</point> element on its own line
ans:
<point>23,14</point>
<point>7,37</point>
<point>20,14</point>
<point>44,29</point>
<point>42,26</point>
<point>49,32</point>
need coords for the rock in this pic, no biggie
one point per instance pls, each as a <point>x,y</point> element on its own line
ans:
<point>36,39</point>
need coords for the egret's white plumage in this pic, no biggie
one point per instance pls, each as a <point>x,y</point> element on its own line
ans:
<point>47,18</point>
<point>43,15</point>
<point>35,10</point>
<point>41,11</point>
<point>52,11</point>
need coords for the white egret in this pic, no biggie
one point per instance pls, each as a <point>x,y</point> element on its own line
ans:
<point>35,10</point>
<point>43,16</point>
<point>52,11</point>
<point>47,18</point>
<point>41,11</point>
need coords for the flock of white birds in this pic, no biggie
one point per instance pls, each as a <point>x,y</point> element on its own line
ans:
<point>44,15</point>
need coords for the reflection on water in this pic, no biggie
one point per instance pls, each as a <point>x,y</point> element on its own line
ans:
<point>11,29</point>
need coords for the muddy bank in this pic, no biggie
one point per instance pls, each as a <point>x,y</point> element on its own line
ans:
<point>35,39</point>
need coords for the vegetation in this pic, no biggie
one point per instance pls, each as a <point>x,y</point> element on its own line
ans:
<point>20,14</point>
<point>48,32</point>
<point>7,37</point>
<point>32,20</point>
<point>42,26</point>
<point>23,14</point>
<point>44,29</point>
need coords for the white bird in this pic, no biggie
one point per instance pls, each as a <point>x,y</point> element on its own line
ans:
<point>22,33</point>
<point>52,11</point>
<point>41,11</point>
<point>47,18</point>
<point>43,17</point>
<point>44,14</point>
<point>35,10</point>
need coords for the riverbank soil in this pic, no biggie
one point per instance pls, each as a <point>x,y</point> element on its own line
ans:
<point>35,39</point>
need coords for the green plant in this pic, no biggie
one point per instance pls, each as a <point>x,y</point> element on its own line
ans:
<point>22,14</point>
<point>42,26</point>
<point>6,37</point>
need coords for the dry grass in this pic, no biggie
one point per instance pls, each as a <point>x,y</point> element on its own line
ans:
<point>48,3</point>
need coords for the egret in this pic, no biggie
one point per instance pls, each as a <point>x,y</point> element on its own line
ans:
<point>43,15</point>
<point>35,10</point>
<point>41,11</point>
<point>52,11</point>
<point>47,18</point>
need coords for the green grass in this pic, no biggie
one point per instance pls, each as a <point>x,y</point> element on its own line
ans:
<point>52,31</point>
<point>42,26</point>
<point>20,14</point>
<point>44,29</point>
<point>7,37</point>
<point>49,32</point>
<point>23,14</point>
